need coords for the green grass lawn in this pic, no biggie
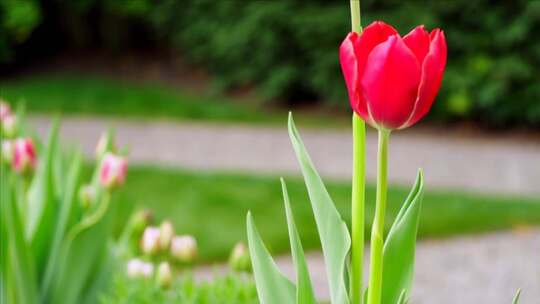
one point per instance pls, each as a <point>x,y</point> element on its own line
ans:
<point>76,94</point>
<point>213,207</point>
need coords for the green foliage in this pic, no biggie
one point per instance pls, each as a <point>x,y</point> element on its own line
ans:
<point>288,48</point>
<point>400,247</point>
<point>54,250</point>
<point>230,289</point>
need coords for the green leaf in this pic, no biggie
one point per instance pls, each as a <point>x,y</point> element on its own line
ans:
<point>81,252</point>
<point>67,210</point>
<point>400,245</point>
<point>20,267</point>
<point>516,297</point>
<point>333,231</point>
<point>304,290</point>
<point>272,286</point>
<point>42,204</point>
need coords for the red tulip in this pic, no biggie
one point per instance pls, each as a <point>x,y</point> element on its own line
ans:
<point>392,81</point>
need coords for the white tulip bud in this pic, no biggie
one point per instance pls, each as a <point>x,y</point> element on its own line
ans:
<point>164,275</point>
<point>239,259</point>
<point>7,151</point>
<point>184,248</point>
<point>150,240</point>
<point>139,269</point>
<point>166,233</point>
<point>9,126</point>
<point>87,196</point>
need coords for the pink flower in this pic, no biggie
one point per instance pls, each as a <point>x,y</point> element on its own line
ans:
<point>392,80</point>
<point>24,155</point>
<point>113,170</point>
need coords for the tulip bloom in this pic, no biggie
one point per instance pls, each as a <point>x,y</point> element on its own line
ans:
<point>24,155</point>
<point>113,170</point>
<point>392,81</point>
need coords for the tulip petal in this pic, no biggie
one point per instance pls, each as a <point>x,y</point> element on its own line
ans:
<point>353,55</point>
<point>432,74</point>
<point>349,67</point>
<point>418,41</point>
<point>390,82</point>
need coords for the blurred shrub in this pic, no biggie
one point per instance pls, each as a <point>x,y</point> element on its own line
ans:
<point>288,48</point>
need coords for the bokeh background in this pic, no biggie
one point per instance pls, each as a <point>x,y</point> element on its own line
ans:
<point>198,91</point>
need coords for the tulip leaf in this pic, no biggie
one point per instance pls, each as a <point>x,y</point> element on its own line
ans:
<point>19,262</point>
<point>304,290</point>
<point>399,248</point>
<point>335,238</point>
<point>41,209</point>
<point>81,255</point>
<point>516,297</point>
<point>272,286</point>
<point>67,210</point>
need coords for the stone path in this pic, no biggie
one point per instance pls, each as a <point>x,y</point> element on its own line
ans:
<point>465,270</point>
<point>470,163</point>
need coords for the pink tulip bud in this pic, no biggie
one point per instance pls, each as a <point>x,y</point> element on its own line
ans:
<point>184,248</point>
<point>113,170</point>
<point>24,155</point>
<point>150,240</point>
<point>5,110</point>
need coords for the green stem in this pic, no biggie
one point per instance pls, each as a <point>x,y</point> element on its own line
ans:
<point>377,231</point>
<point>358,208</point>
<point>358,186</point>
<point>355,16</point>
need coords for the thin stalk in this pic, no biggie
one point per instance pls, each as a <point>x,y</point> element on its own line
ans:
<point>358,186</point>
<point>358,208</point>
<point>377,231</point>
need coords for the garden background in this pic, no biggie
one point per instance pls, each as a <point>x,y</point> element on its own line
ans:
<point>198,91</point>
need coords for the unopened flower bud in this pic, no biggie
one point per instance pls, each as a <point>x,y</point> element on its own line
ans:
<point>7,151</point>
<point>9,126</point>
<point>184,248</point>
<point>150,241</point>
<point>113,171</point>
<point>5,110</point>
<point>164,275</point>
<point>166,234</point>
<point>87,196</point>
<point>24,155</point>
<point>139,269</point>
<point>140,220</point>
<point>239,259</point>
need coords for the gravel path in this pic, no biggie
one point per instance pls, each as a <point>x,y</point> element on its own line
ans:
<point>471,163</point>
<point>465,270</point>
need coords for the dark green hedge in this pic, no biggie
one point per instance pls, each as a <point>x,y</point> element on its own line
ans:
<point>288,48</point>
